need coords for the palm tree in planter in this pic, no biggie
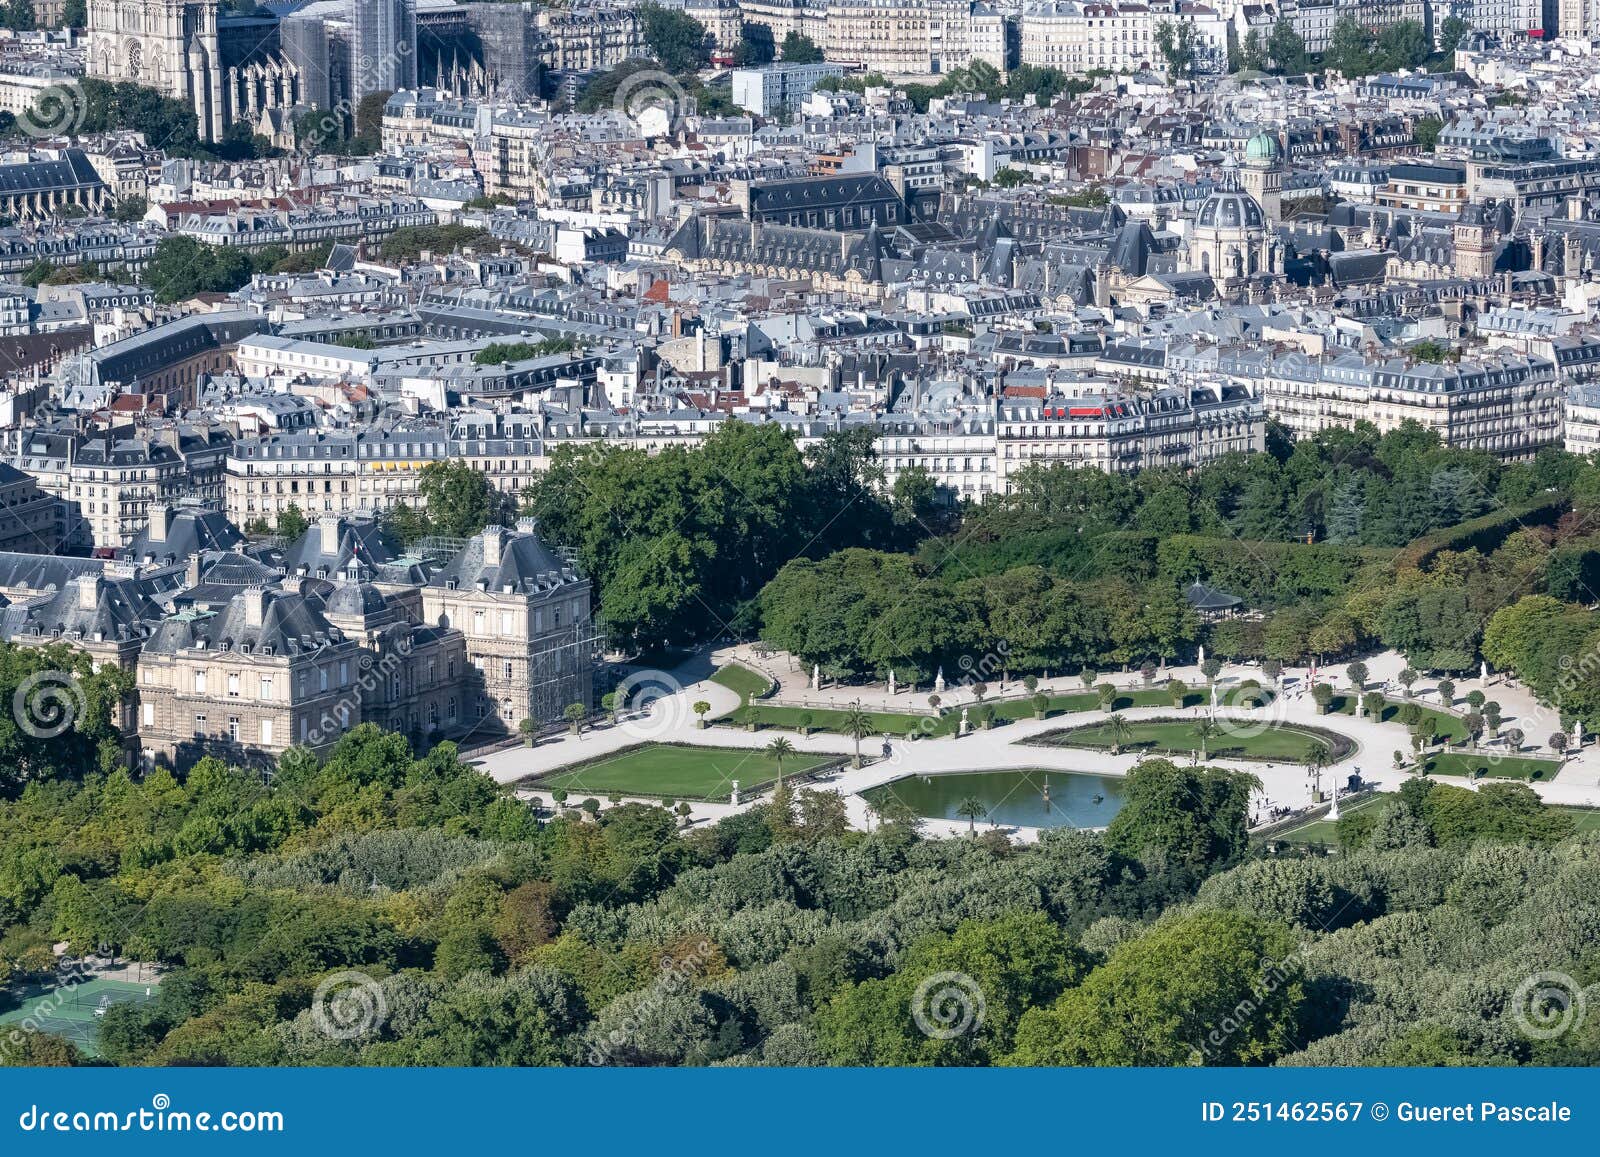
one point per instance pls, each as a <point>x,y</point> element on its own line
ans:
<point>933,702</point>
<point>1179,690</point>
<point>1322,695</point>
<point>1473,722</point>
<point>971,809</point>
<point>701,710</point>
<point>529,729</point>
<point>1088,677</point>
<point>857,724</point>
<point>1372,703</point>
<point>1407,677</point>
<point>1558,744</point>
<point>683,811</point>
<point>1147,672</point>
<point>1211,668</point>
<point>1491,717</point>
<point>1117,727</point>
<point>1317,758</point>
<point>1357,673</point>
<point>979,690</point>
<point>804,723</point>
<point>986,715</point>
<point>1447,692</point>
<point>1107,695</point>
<point>574,714</point>
<point>1476,699</point>
<point>608,701</point>
<point>752,718</point>
<point>1041,705</point>
<point>559,797</point>
<point>1205,730</point>
<point>1513,739</point>
<point>780,749</point>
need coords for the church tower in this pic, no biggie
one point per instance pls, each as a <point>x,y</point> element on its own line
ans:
<point>1262,175</point>
<point>168,45</point>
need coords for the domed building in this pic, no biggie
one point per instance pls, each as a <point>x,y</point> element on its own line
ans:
<point>1262,175</point>
<point>1233,240</point>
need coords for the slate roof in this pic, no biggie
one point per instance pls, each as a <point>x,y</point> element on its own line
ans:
<point>290,624</point>
<point>526,565</point>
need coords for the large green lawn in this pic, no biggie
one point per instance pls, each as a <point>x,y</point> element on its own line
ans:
<point>900,723</point>
<point>1283,742</point>
<point>741,680</point>
<point>1449,727</point>
<point>1467,763</point>
<point>662,769</point>
<point>1325,833</point>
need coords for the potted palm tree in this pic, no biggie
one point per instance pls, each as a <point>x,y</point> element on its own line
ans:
<point>574,715</point>
<point>1205,730</point>
<point>701,710</point>
<point>1117,727</point>
<point>857,724</point>
<point>971,809</point>
<point>780,749</point>
<point>529,729</point>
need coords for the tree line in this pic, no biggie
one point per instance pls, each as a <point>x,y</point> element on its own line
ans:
<point>500,935</point>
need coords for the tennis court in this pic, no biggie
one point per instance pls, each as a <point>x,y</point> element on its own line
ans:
<point>70,1010</point>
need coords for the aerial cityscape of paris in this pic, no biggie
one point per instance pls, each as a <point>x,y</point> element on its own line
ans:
<point>804,536</point>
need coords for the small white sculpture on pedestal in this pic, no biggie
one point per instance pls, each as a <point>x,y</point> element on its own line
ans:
<point>1361,708</point>
<point>735,800</point>
<point>816,677</point>
<point>965,724</point>
<point>891,680</point>
<point>1577,733</point>
<point>938,682</point>
<point>1483,672</point>
<point>1201,660</point>
<point>1333,812</point>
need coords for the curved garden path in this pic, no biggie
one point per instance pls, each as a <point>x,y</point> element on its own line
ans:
<point>671,720</point>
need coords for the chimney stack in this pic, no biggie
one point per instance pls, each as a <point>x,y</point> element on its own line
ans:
<point>255,606</point>
<point>89,591</point>
<point>493,538</point>
<point>160,521</point>
<point>328,527</point>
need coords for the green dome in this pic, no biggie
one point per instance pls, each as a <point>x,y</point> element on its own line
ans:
<point>1262,147</point>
